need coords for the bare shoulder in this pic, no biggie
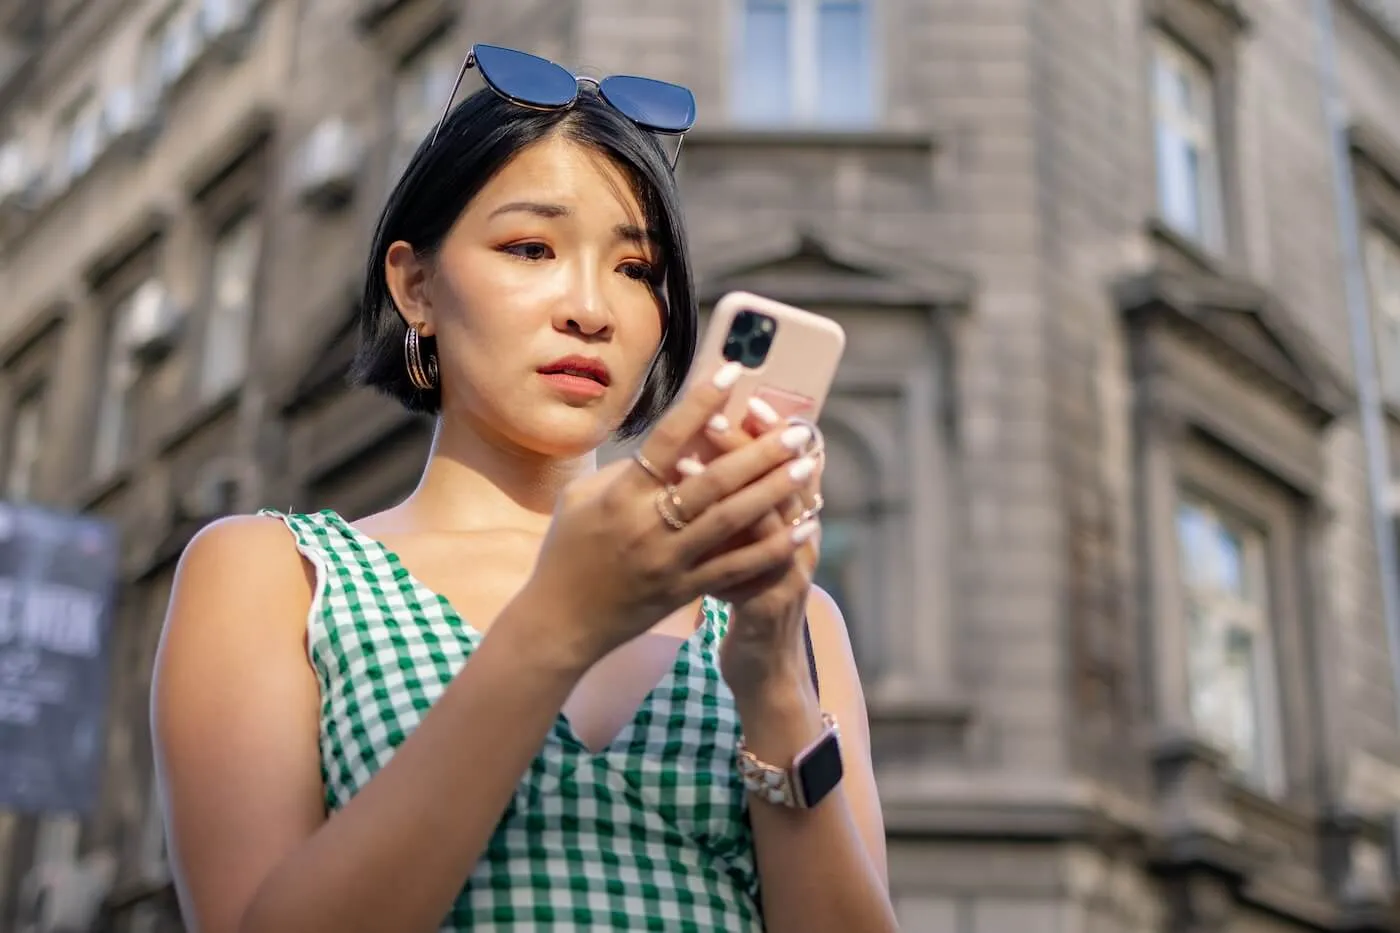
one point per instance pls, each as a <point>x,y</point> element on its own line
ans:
<point>246,559</point>
<point>234,713</point>
<point>241,586</point>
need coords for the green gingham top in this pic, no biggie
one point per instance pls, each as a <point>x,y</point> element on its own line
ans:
<point>651,833</point>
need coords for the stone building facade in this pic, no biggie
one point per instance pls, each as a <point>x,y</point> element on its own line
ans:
<point>1097,510</point>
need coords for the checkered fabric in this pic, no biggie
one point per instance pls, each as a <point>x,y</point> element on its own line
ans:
<point>651,833</point>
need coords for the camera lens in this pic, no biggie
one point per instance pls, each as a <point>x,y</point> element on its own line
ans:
<point>743,323</point>
<point>758,350</point>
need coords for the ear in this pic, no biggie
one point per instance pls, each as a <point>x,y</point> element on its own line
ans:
<point>408,275</point>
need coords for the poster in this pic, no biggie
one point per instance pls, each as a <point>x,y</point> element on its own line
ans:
<point>57,587</point>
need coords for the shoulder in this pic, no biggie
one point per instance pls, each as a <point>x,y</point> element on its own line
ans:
<point>242,560</point>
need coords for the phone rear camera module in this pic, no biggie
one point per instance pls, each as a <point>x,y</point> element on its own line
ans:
<point>750,338</point>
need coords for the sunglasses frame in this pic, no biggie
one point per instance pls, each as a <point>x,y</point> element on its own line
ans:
<point>580,80</point>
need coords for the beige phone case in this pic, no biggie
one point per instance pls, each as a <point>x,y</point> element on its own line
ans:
<point>797,373</point>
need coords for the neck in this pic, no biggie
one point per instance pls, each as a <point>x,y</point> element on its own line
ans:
<point>472,483</point>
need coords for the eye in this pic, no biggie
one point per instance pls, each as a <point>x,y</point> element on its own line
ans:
<point>529,251</point>
<point>639,271</point>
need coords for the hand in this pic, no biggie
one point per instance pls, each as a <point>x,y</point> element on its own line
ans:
<point>611,566</point>
<point>764,648</point>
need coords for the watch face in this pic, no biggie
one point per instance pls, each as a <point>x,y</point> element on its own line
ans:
<point>820,770</point>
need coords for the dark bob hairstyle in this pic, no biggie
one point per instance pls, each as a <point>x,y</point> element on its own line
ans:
<point>481,135</point>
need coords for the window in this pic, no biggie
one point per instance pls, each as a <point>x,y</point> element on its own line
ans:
<point>423,86</point>
<point>26,434</point>
<point>805,62</point>
<point>79,139</point>
<point>232,286</point>
<point>1383,271</point>
<point>112,436</point>
<point>170,49</point>
<point>1188,163</point>
<point>1229,653</point>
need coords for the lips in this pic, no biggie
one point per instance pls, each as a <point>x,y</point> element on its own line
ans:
<point>584,367</point>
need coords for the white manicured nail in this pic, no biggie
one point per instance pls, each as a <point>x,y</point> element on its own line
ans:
<point>689,466</point>
<point>796,437</point>
<point>762,411</point>
<point>718,424</point>
<point>801,470</point>
<point>803,532</point>
<point>727,375</point>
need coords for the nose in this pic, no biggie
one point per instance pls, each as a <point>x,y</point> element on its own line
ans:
<point>584,309</point>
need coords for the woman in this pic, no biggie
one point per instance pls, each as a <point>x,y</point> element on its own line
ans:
<point>328,759</point>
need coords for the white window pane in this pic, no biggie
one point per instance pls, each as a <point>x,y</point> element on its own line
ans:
<point>1188,177</point>
<point>119,373</point>
<point>1176,181</point>
<point>844,61</point>
<point>762,91</point>
<point>228,329</point>
<point>1383,276</point>
<point>1228,655</point>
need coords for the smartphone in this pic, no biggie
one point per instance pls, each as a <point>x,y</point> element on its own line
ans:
<point>789,358</point>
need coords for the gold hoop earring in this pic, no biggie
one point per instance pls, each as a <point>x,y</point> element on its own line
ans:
<point>422,373</point>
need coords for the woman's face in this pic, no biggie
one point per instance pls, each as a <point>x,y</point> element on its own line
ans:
<point>542,301</point>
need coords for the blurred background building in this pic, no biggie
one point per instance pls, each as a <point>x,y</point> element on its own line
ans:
<point>1098,506</point>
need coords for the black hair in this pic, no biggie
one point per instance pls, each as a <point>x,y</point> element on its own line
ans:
<point>479,137</point>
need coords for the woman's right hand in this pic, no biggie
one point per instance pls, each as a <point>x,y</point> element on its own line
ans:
<point>611,566</point>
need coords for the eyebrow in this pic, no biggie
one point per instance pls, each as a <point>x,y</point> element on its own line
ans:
<point>628,232</point>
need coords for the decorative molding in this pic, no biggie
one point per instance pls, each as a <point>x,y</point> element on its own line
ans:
<point>1245,324</point>
<point>1188,18</point>
<point>819,268</point>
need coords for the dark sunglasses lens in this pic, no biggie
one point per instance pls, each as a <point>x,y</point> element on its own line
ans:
<point>525,78</point>
<point>656,105</point>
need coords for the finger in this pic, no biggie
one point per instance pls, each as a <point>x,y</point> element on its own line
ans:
<point>736,469</point>
<point>760,417</point>
<point>771,554</point>
<point>687,418</point>
<point>754,504</point>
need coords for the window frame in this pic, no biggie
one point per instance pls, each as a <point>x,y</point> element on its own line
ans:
<point>1201,131</point>
<point>116,390</point>
<point>246,214</point>
<point>83,115</point>
<point>35,394</point>
<point>1257,611</point>
<point>803,88</point>
<point>1385,304</point>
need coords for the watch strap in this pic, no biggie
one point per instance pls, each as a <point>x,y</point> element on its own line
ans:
<point>774,784</point>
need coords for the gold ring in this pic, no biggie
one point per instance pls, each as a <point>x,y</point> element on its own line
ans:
<point>811,512</point>
<point>648,467</point>
<point>663,501</point>
<point>677,504</point>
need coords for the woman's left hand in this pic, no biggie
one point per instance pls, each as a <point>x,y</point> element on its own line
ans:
<point>764,652</point>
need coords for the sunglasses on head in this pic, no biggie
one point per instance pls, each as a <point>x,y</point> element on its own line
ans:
<point>538,83</point>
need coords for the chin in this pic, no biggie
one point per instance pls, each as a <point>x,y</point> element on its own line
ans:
<point>566,434</point>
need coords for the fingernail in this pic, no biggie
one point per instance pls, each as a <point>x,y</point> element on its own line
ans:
<point>803,532</point>
<point>800,470</point>
<point>796,437</point>
<point>718,424</point>
<point>727,375</point>
<point>762,411</point>
<point>689,466</point>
